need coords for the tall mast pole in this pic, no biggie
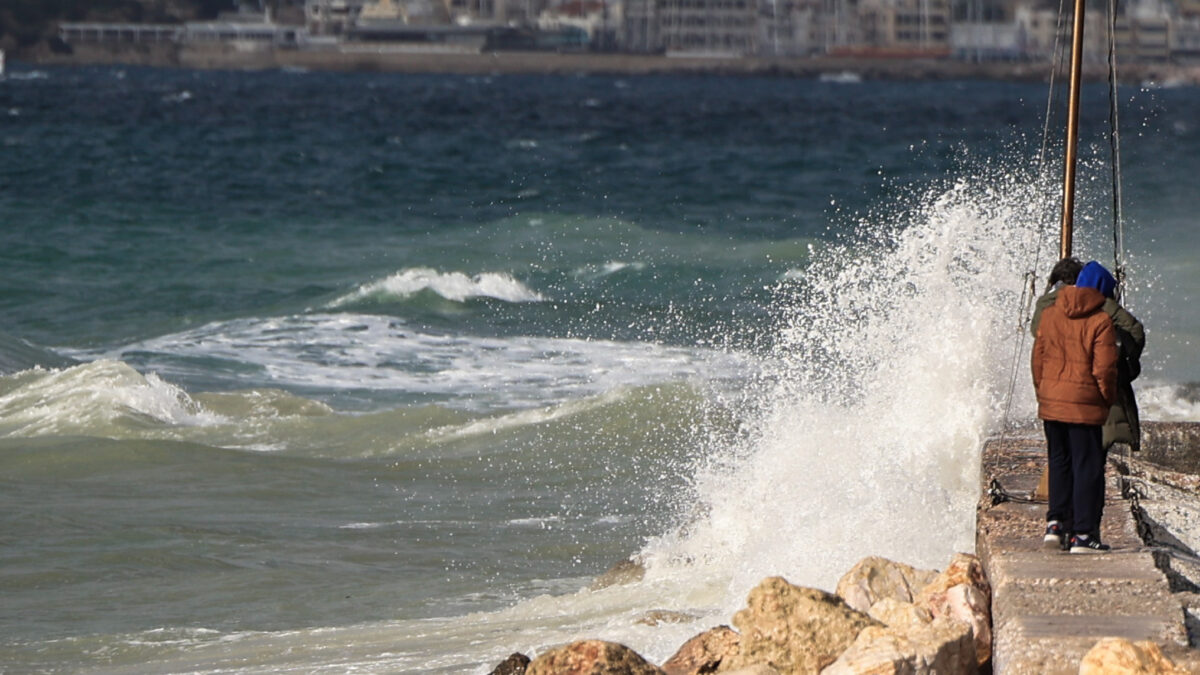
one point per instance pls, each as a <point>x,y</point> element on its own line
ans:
<point>1068,214</point>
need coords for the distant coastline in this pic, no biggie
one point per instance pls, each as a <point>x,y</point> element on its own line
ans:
<point>392,59</point>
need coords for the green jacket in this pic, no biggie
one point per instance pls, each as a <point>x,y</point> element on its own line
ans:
<point>1123,425</point>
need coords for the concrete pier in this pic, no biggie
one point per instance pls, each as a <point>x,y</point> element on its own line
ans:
<point>1050,608</point>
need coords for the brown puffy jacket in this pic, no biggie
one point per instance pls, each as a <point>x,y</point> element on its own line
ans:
<point>1075,359</point>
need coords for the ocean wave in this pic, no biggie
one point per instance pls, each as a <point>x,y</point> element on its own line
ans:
<point>490,426</point>
<point>102,398</point>
<point>453,286</point>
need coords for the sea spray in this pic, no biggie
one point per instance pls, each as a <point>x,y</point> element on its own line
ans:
<point>893,364</point>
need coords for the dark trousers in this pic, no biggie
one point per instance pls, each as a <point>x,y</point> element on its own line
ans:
<point>1076,459</point>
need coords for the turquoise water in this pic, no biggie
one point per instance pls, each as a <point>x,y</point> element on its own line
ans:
<point>375,372</point>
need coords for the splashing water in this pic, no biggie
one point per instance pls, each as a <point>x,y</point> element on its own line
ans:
<point>894,365</point>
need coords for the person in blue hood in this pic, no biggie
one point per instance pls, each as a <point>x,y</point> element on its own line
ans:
<point>1123,425</point>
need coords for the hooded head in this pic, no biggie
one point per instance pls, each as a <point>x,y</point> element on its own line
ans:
<point>1093,275</point>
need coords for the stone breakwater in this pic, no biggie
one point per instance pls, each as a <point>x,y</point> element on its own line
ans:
<point>1013,609</point>
<point>884,617</point>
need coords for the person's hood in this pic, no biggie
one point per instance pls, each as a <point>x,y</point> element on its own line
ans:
<point>1093,275</point>
<point>1078,301</point>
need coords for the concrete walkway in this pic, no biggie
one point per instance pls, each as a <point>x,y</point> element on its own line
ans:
<point>1050,608</point>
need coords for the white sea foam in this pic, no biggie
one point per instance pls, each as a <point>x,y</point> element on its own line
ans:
<point>455,286</point>
<point>340,352</point>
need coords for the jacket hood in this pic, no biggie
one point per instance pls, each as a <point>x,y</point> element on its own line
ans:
<point>1077,301</point>
<point>1093,275</point>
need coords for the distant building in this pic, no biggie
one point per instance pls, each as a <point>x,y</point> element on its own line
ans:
<point>389,13</point>
<point>900,28</point>
<point>640,24</point>
<point>1040,32</point>
<point>1143,38</point>
<point>991,41</point>
<point>578,24</point>
<point>1185,40</point>
<point>789,28</point>
<point>332,17</point>
<point>1144,33</point>
<point>708,27</point>
<point>241,29</point>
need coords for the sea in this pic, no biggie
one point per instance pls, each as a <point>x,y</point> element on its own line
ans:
<point>311,372</point>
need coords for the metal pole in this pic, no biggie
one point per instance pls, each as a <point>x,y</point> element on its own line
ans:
<point>1068,214</point>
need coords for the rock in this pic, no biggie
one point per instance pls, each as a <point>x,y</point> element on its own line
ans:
<point>515,664</point>
<point>657,616</point>
<point>753,670</point>
<point>899,615</point>
<point>962,592</point>
<point>592,657</point>
<point>703,653</point>
<point>625,572</point>
<point>964,568</point>
<point>1113,656</point>
<point>793,629</point>
<point>943,646</point>
<point>875,578</point>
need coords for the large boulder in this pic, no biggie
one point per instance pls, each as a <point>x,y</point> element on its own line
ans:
<point>703,653</point>
<point>873,579</point>
<point>940,647</point>
<point>899,615</point>
<point>961,592</point>
<point>793,629</point>
<point>592,657</point>
<point>1113,656</point>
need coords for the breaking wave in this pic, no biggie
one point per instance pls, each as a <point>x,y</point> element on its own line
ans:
<point>102,398</point>
<point>453,286</point>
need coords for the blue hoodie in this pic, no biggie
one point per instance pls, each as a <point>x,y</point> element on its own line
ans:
<point>1093,275</point>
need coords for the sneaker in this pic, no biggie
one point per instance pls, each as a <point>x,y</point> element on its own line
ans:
<point>1056,537</point>
<point>1084,544</point>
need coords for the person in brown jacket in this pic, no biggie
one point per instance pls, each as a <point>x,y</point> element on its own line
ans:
<point>1075,377</point>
